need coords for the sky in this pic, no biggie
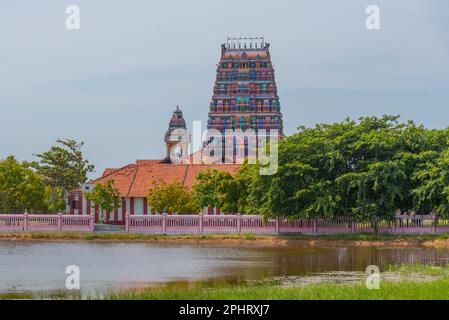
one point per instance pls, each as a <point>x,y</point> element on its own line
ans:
<point>115,82</point>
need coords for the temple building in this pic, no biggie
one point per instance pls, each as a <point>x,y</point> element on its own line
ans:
<point>244,97</point>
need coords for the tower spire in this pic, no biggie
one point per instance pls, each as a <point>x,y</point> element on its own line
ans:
<point>176,122</point>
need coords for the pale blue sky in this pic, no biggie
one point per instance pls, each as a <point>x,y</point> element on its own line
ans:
<point>114,83</point>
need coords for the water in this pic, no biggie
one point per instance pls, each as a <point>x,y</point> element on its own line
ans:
<point>40,267</point>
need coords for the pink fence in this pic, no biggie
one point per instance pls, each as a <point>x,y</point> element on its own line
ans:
<point>187,224</point>
<point>46,222</point>
<point>256,224</point>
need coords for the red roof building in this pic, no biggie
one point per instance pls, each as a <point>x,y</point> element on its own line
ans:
<point>134,181</point>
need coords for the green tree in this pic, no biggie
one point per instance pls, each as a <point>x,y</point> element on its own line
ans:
<point>172,198</point>
<point>432,191</point>
<point>207,187</point>
<point>63,168</point>
<point>106,196</point>
<point>376,191</point>
<point>364,169</point>
<point>20,188</point>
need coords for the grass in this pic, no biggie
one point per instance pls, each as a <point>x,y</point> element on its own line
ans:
<point>118,236</point>
<point>430,270</point>
<point>433,290</point>
<point>436,288</point>
<point>29,295</point>
<point>123,236</point>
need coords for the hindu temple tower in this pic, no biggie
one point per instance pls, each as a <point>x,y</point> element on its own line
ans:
<point>172,139</point>
<point>245,93</point>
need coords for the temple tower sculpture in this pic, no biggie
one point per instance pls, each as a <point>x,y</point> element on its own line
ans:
<point>245,93</point>
<point>176,138</point>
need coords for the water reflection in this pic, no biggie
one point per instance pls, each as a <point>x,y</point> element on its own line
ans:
<point>30,268</point>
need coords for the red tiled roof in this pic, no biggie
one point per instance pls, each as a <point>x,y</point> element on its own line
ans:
<point>134,180</point>
<point>108,171</point>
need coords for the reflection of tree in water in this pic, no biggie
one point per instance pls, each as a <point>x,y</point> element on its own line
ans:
<point>315,260</point>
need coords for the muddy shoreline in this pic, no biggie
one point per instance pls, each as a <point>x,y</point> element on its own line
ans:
<point>232,240</point>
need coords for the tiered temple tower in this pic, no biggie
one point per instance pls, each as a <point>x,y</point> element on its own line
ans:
<point>176,122</point>
<point>245,93</point>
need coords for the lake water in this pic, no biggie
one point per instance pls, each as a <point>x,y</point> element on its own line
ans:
<point>40,267</point>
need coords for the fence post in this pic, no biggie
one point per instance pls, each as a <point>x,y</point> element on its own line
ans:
<point>434,223</point>
<point>277,225</point>
<point>239,222</point>
<point>200,223</point>
<point>59,221</point>
<point>25,221</point>
<point>92,222</point>
<point>393,227</point>
<point>315,229</point>
<point>164,223</point>
<point>127,221</point>
<point>352,226</point>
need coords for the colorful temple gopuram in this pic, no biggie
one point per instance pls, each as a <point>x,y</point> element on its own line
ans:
<point>245,93</point>
<point>245,97</point>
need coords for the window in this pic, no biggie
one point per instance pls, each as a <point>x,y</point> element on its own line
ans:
<point>74,204</point>
<point>224,65</point>
<point>252,65</point>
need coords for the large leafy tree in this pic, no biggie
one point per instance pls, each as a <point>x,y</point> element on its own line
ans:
<point>432,191</point>
<point>172,198</point>
<point>63,168</point>
<point>364,169</point>
<point>376,191</point>
<point>215,188</point>
<point>21,188</point>
<point>106,196</point>
<point>208,186</point>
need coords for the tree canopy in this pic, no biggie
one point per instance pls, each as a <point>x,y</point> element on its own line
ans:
<point>62,168</point>
<point>172,198</point>
<point>21,189</point>
<point>365,169</point>
<point>106,196</point>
